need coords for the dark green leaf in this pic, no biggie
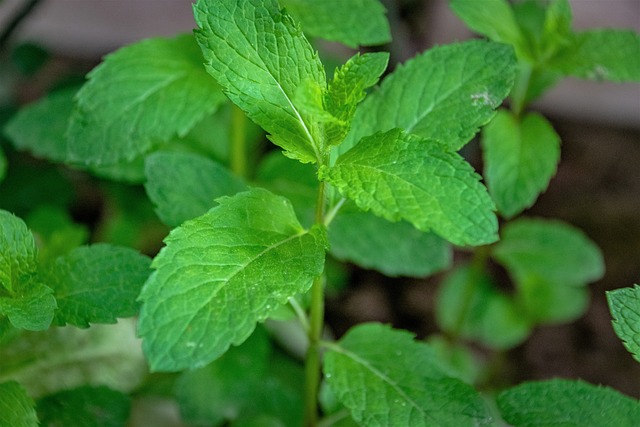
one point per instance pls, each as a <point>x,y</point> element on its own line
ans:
<point>625,307</point>
<point>17,409</point>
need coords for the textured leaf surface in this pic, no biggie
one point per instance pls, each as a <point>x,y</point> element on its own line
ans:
<point>17,409</point>
<point>352,22</point>
<point>567,403</point>
<point>223,272</point>
<point>186,185</point>
<point>400,176</point>
<point>393,248</point>
<point>493,19</point>
<point>549,249</point>
<point>520,157</point>
<point>139,97</point>
<point>625,307</point>
<point>27,302</point>
<point>85,407</point>
<point>260,57</point>
<point>387,379</point>
<point>97,284</point>
<point>446,93</point>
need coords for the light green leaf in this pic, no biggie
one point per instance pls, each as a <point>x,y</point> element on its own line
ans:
<point>97,284</point>
<point>27,302</point>
<point>260,57</point>
<point>17,409</point>
<point>401,176</point>
<point>185,185</point>
<point>624,305</point>
<point>602,55</point>
<point>85,407</point>
<point>549,249</point>
<point>567,403</point>
<point>387,379</point>
<point>223,272</point>
<point>469,304</point>
<point>140,97</point>
<point>352,22</point>
<point>546,302</point>
<point>446,93</point>
<point>520,157</point>
<point>393,248</point>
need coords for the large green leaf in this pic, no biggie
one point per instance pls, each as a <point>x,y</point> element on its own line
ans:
<point>185,185</point>
<point>446,93</point>
<point>97,284</point>
<point>625,307</point>
<point>260,57</point>
<point>139,97</point>
<point>352,22</point>
<point>223,272</point>
<point>27,302</point>
<point>520,157</point>
<point>568,404</point>
<point>400,176</point>
<point>17,409</point>
<point>387,379</point>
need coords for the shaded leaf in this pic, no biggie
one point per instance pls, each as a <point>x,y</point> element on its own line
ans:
<point>624,305</point>
<point>17,409</point>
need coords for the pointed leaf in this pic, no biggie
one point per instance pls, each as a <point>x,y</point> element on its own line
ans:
<point>185,185</point>
<point>97,284</point>
<point>260,57</point>
<point>520,157</point>
<point>446,93</point>
<point>624,305</point>
<point>223,272</point>
<point>387,379</point>
<point>401,176</point>
<point>17,409</point>
<point>359,22</point>
<point>567,403</point>
<point>139,97</point>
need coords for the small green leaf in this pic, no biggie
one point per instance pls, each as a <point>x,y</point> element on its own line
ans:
<point>520,157</point>
<point>223,272</point>
<point>567,403</point>
<point>260,57</point>
<point>546,302</point>
<point>85,407</point>
<point>352,22</point>
<point>446,93</point>
<point>393,248</point>
<point>97,284</point>
<point>401,176</point>
<point>387,379</point>
<point>140,97</point>
<point>185,185</point>
<point>17,409</point>
<point>624,305</point>
<point>549,249</point>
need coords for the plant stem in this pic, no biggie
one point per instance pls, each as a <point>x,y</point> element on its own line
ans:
<point>238,154</point>
<point>520,88</point>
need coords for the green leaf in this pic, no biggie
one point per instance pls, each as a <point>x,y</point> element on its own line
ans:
<point>138,98</point>
<point>401,176</point>
<point>97,284</point>
<point>470,305</point>
<point>520,157</point>
<point>55,232</point>
<point>185,185</point>
<point>446,93</point>
<point>624,305</point>
<point>85,407</point>
<point>372,371</point>
<point>493,19</point>
<point>549,249</point>
<point>602,55</point>
<point>546,302</point>
<point>567,403</point>
<point>223,272</point>
<point>17,409</point>
<point>27,302</point>
<point>68,357</point>
<point>260,57</point>
<point>393,248</point>
<point>351,22</point>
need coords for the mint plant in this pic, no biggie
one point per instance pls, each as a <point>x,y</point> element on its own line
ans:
<point>370,174</point>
